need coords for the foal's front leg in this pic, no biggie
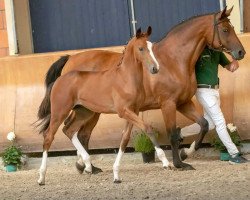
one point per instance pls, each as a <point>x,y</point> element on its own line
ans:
<point>137,121</point>
<point>124,142</point>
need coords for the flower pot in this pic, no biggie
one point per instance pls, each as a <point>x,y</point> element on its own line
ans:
<point>224,156</point>
<point>148,157</point>
<point>11,168</point>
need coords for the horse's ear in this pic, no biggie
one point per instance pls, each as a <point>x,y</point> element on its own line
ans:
<point>138,33</point>
<point>149,31</point>
<point>225,13</point>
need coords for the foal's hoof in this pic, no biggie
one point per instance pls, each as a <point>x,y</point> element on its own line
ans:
<point>80,168</point>
<point>41,183</point>
<point>117,181</point>
<point>96,170</point>
<point>168,167</point>
<point>87,172</point>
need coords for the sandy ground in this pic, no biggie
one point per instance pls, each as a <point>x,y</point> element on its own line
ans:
<point>212,179</point>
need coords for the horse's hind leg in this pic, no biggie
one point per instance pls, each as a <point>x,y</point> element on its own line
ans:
<point>124,142</point>
<point>188,110</point>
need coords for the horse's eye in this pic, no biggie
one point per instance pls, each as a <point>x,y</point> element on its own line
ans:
<point>225,30</point>
<point>141,49</point>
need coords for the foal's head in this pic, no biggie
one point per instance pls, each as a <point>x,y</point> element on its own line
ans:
<point>142,50</point>
<point>224,37</point>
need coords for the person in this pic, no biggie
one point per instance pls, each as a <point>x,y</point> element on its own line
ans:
<point>207,94</point>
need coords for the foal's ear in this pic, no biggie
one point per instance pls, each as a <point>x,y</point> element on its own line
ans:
<point>138,33</point>
<point>225,13</point>
<point>149,31</point>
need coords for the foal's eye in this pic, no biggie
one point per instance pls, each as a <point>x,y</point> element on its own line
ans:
<point>225,30</point>
<point>141,49</point>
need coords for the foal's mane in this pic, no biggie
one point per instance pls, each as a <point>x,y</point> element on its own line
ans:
<point>123,52</point>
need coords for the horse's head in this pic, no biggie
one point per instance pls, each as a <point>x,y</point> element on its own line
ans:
<point>224,37</point>
<point>143,50</point>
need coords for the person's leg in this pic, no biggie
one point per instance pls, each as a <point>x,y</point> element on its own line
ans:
<point>210,101</point>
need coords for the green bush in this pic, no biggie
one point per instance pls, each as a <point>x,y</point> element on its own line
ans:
<point>217,143</point>
<point>142,143</point>
<point>12,155</point>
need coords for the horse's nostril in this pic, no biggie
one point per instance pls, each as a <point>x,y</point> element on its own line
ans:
<point>241,53</point>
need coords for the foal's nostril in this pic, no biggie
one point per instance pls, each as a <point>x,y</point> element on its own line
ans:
<point>154,70</point>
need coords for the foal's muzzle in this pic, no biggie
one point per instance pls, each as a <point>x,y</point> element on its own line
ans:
<point>154,70</point>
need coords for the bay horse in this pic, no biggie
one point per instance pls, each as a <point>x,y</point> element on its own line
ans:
<point>171,89</point>
<point>117,90</point>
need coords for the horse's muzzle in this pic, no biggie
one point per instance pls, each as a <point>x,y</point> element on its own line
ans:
<point>238,54</point>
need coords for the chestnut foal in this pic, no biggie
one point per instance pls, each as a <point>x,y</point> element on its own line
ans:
<point>117,90</point>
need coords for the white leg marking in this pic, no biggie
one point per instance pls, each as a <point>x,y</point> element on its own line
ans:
<point>84,154</point>
<point>150,45</point>
<point>190,150</point>
<point>117,165</point>
<point>161,155</point>
<point>43,169</point>
<point>80,161</point>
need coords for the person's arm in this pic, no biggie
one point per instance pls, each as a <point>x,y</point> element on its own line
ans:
<point>230,66</point>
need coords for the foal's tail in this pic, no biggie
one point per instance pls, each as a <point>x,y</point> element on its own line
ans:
<point>55,70</point>
<point>53,73</point>
<point>44,110</point>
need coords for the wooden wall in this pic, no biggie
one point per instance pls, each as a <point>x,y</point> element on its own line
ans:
<point>22,90</point>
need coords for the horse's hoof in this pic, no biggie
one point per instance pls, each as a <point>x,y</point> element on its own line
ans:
<point>80,168</point>
<point>183,155</point>
<point>117,181</point>
<point>184,167</point>
<point>96,170</point>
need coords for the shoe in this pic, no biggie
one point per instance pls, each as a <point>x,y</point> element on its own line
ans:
<point>238,159</point>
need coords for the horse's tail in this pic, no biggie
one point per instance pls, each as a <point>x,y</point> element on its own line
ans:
<point>55,70</point>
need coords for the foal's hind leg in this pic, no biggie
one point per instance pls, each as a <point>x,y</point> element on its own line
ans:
<point>76,121</point>
<point>55,122</point>
<point>188,110</point>
<point>82,117</point>
<point>84,135</point>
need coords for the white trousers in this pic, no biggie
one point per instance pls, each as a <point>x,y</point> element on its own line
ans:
<point>210,101</point>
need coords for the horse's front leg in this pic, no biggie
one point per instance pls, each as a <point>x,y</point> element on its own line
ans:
<point>188,110</point>
<point>169,116</point>
<point>137,121</point>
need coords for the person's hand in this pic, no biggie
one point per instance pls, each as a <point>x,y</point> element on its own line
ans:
<point>234,65</point>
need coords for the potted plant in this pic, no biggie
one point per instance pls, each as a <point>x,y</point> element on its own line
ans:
<point>12,155</point>
<point>218,145</point>
<point>143,144</point>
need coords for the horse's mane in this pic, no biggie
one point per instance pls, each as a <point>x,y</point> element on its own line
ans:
<point>177,27</point>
